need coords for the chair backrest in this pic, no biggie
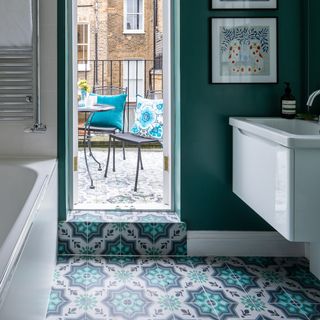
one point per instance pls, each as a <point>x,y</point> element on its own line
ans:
<point>154,94</point>
<point>112,91</point>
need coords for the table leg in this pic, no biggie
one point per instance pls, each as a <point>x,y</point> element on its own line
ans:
<point>85,150</point>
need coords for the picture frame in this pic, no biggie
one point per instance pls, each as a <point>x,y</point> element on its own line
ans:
<point>244,50</point>
<point>244,4</point>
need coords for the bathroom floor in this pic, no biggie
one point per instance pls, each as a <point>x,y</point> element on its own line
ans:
<point>123,288</point>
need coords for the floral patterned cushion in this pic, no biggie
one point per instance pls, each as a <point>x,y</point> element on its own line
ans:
<point>148,118</point>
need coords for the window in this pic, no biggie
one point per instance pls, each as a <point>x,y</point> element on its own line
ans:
<point>133,16</point>
<point>83,46</point>
<point>133,78</point>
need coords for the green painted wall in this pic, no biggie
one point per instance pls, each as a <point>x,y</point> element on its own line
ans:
<point>314,51</point>
<point>207,201</point>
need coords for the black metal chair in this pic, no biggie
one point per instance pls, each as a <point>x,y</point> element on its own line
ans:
<point>94,130</point>
<point>132,139</point>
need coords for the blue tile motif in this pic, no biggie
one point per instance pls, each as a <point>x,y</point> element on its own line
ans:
<point>122,238</point>
<point>188,288</point>
<point>160,277</point>
<point>236,277</point>
<point>214,304</point>
<point>57,301</point>
<point>127,303</point>
<point>86,276</point>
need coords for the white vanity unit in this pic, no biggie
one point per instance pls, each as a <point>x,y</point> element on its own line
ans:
<point>276,171</point>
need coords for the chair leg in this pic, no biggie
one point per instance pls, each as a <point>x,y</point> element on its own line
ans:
<point>108,159</point>
<point>91,154</point>
<point>114,155</point>
<point>141,161</point>
<point>124,150</point>
<point>137,172</point>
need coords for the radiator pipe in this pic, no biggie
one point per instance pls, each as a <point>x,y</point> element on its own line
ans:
<point>38,126</point>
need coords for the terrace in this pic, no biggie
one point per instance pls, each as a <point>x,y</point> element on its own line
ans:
<point>117,190</point>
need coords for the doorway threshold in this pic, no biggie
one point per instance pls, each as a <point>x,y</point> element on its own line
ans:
<point>106,216</point>
<point>160,207</point>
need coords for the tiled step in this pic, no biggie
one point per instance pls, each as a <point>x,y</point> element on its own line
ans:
<point>86,235</point>
<point>124,216</point>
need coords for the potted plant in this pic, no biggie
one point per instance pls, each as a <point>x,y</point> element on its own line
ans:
<point>84,89</point>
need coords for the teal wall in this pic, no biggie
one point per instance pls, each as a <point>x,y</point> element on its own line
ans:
<point>205,144</point>
<point>314,51</point>
<point>207,201</point>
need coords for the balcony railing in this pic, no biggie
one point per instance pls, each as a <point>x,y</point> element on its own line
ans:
<point>138,76</point>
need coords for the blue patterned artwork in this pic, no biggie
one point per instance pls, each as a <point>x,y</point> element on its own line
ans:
<point>244,4</point>
<point>244,50</point>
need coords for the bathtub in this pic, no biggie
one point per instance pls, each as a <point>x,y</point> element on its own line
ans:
<point>28,230</point>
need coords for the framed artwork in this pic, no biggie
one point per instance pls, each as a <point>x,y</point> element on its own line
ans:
<point>244,50</point>
<point>244,4</point>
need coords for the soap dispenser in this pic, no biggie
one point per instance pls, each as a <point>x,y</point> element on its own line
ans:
<point>288,103</point>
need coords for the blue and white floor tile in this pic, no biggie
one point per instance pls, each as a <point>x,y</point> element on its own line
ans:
<point>123,216</point>
<point>123,288</point>
<point>122,238</point>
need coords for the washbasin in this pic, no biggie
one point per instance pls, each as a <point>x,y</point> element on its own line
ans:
<point>289,133</point>
<point>276,172</point>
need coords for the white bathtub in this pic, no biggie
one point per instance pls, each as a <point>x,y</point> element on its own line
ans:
<point>28,223</point>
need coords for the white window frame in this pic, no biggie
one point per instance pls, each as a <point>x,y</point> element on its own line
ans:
<point>83,67</point>
<point>132,78</point>
<point>125,13</point>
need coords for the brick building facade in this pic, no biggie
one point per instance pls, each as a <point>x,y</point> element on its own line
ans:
<point>118,47</point>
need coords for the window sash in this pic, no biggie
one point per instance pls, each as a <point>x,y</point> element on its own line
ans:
<point>134,16</point>
<point>83,43</point>
<point>134,78</point>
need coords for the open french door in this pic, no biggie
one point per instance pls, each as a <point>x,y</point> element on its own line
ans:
<point>168,193</point>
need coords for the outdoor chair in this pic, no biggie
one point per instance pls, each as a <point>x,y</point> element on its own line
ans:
<point>143,135</point>
<point>107,122</point>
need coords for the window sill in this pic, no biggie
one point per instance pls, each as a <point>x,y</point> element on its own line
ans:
<point>133,32</point>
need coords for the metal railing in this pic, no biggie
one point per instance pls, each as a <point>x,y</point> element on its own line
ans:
<point>139,76</point>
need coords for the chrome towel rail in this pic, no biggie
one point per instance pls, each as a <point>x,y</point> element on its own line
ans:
<point>16,84</point>
<point>20,80</point>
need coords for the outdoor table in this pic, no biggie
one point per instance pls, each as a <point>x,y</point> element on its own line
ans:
<point>91,110</point>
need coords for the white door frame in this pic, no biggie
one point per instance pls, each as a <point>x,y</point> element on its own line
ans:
<point>168,76</point>
<point>74,116</point>
<point>169,120</point>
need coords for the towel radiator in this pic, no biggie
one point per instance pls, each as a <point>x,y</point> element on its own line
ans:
<point>20,80</point>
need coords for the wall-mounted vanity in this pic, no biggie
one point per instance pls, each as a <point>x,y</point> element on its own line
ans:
<point>276,171</point>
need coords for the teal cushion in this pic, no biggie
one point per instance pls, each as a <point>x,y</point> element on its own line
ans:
<point>112,118</point>
<point>148,118</point>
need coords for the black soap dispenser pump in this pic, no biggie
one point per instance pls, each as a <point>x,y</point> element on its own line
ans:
<point>288,103</point>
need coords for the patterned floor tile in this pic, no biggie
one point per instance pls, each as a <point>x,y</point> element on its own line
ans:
<point>122,288</point>
<point>72,237</point>
<point>123,216</point>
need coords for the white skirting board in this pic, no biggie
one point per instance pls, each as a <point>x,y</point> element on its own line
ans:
<point>239,243</point>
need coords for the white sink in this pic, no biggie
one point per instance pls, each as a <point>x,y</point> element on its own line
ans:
<point>276,171</point>
<point>289,133</point>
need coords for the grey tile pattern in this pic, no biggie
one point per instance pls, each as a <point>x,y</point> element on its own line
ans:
<point>116,190</point>
<point>88,237</point>
<point>122,288</point>
<point>123,216</point>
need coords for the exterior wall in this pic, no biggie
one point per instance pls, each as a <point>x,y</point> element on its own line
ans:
<point>115,44</point>
<point>123,46</point>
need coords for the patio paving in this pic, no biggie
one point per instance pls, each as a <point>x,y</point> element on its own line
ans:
<point>116,191</point>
